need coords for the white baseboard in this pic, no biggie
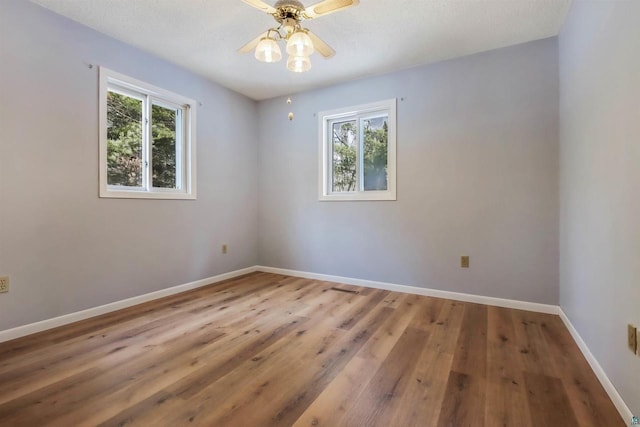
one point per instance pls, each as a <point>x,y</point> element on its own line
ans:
<point>478,299</point>
<point>43,325</point>
<point>615,397</point>
<point>32,328</point>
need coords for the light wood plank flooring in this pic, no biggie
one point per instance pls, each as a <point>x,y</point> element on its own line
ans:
<point>271,350</point>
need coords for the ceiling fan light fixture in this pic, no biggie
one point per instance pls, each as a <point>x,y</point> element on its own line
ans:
<point>268,50</point>
<point>300,44</point>
<point>299,64</point>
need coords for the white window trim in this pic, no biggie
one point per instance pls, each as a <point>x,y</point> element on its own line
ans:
<point>324,118</point>
<point>108,77</point>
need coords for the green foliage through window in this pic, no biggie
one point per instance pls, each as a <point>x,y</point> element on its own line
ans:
<point>125,142</point>
<point>376,137</point>
<point>163,130</point>
<point>345,149</point>
<point>349,156</point>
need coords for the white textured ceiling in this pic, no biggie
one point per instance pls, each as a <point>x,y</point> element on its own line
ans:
<point>375,37</point>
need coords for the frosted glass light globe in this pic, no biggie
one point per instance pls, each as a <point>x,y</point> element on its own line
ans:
<point>299,64</point>
<point>268,50</point>
<point>300,44</point>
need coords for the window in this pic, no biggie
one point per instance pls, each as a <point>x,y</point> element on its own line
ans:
<point>147,140</point>
<point>358,152</point>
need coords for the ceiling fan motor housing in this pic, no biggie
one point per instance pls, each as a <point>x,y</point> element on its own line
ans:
<point>289,9</point>
<point>291,3</point>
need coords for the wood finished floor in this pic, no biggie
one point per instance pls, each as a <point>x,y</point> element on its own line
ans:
<point>271,350</point>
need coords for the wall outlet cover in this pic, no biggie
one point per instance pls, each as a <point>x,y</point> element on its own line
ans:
<point>632,338</point>
<point>4,284</point>
<point>464,261</point>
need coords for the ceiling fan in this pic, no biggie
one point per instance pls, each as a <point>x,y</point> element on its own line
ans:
<point>301,42</point>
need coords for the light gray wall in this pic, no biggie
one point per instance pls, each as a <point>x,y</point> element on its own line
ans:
<point>600,182</point>
<point>65,248</point>
<point>477,176</point>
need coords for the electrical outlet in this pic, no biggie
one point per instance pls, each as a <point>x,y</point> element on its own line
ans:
<point>224,248</point>
<point>464,261</point>
<point>632,338</point>
<point>4,284</point>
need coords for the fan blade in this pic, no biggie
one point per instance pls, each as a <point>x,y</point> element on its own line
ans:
<point>259,4</point>
<point>326,7</point>
<point>321,47</point>
<point>252,44</point>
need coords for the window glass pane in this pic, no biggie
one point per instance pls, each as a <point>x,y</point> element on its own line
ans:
<point>344,156</point>
<point>376,132</point>
<point>164,131</point>
<point>124,140</point>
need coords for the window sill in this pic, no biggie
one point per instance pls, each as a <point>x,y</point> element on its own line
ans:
<point>158,195</point>
<point>359,197</point>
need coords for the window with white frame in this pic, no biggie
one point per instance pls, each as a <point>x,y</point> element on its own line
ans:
<point>147,140</point>
<point>358,152</point>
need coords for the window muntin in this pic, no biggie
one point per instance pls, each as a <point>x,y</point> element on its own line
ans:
<point>358,152</point>
<point>147,140</point>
